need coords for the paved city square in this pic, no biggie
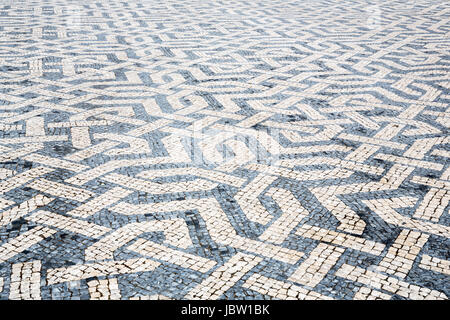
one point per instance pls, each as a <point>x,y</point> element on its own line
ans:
<point>236,149</point>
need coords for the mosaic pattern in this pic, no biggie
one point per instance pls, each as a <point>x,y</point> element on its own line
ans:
<point>224,149</point>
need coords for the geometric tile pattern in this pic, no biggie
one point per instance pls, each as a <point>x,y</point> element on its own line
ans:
<point>224,149</point>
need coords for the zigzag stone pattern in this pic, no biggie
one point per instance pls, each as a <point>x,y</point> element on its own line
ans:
<point>224,149</point>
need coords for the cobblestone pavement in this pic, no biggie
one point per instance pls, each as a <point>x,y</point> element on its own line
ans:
<point>224,149</point>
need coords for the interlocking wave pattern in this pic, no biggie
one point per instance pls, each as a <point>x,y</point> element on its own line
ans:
<point>224,149</point>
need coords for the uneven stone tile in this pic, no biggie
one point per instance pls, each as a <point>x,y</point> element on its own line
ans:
<point>197,149</point>
<point>107,268</point>
<point>435,264</point>
<point>293,213</point>
<point>341,239</point>
<point>23,209</point>
<point>106,289</point>
<point>60,190</point>
<point>402,253</point>
<point>175,231</point>
<point>183,259</point>
<point>391,284</point>
<point>365,293</point>
<point>317,265</point>
<point>69,224</point>
<point>98,203</point>
<point>22,242</point>
<point>152,297</point>
<point>283,290</point>
<point>25,281</point>
<point>224,277</point>
<point>22,178</point>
